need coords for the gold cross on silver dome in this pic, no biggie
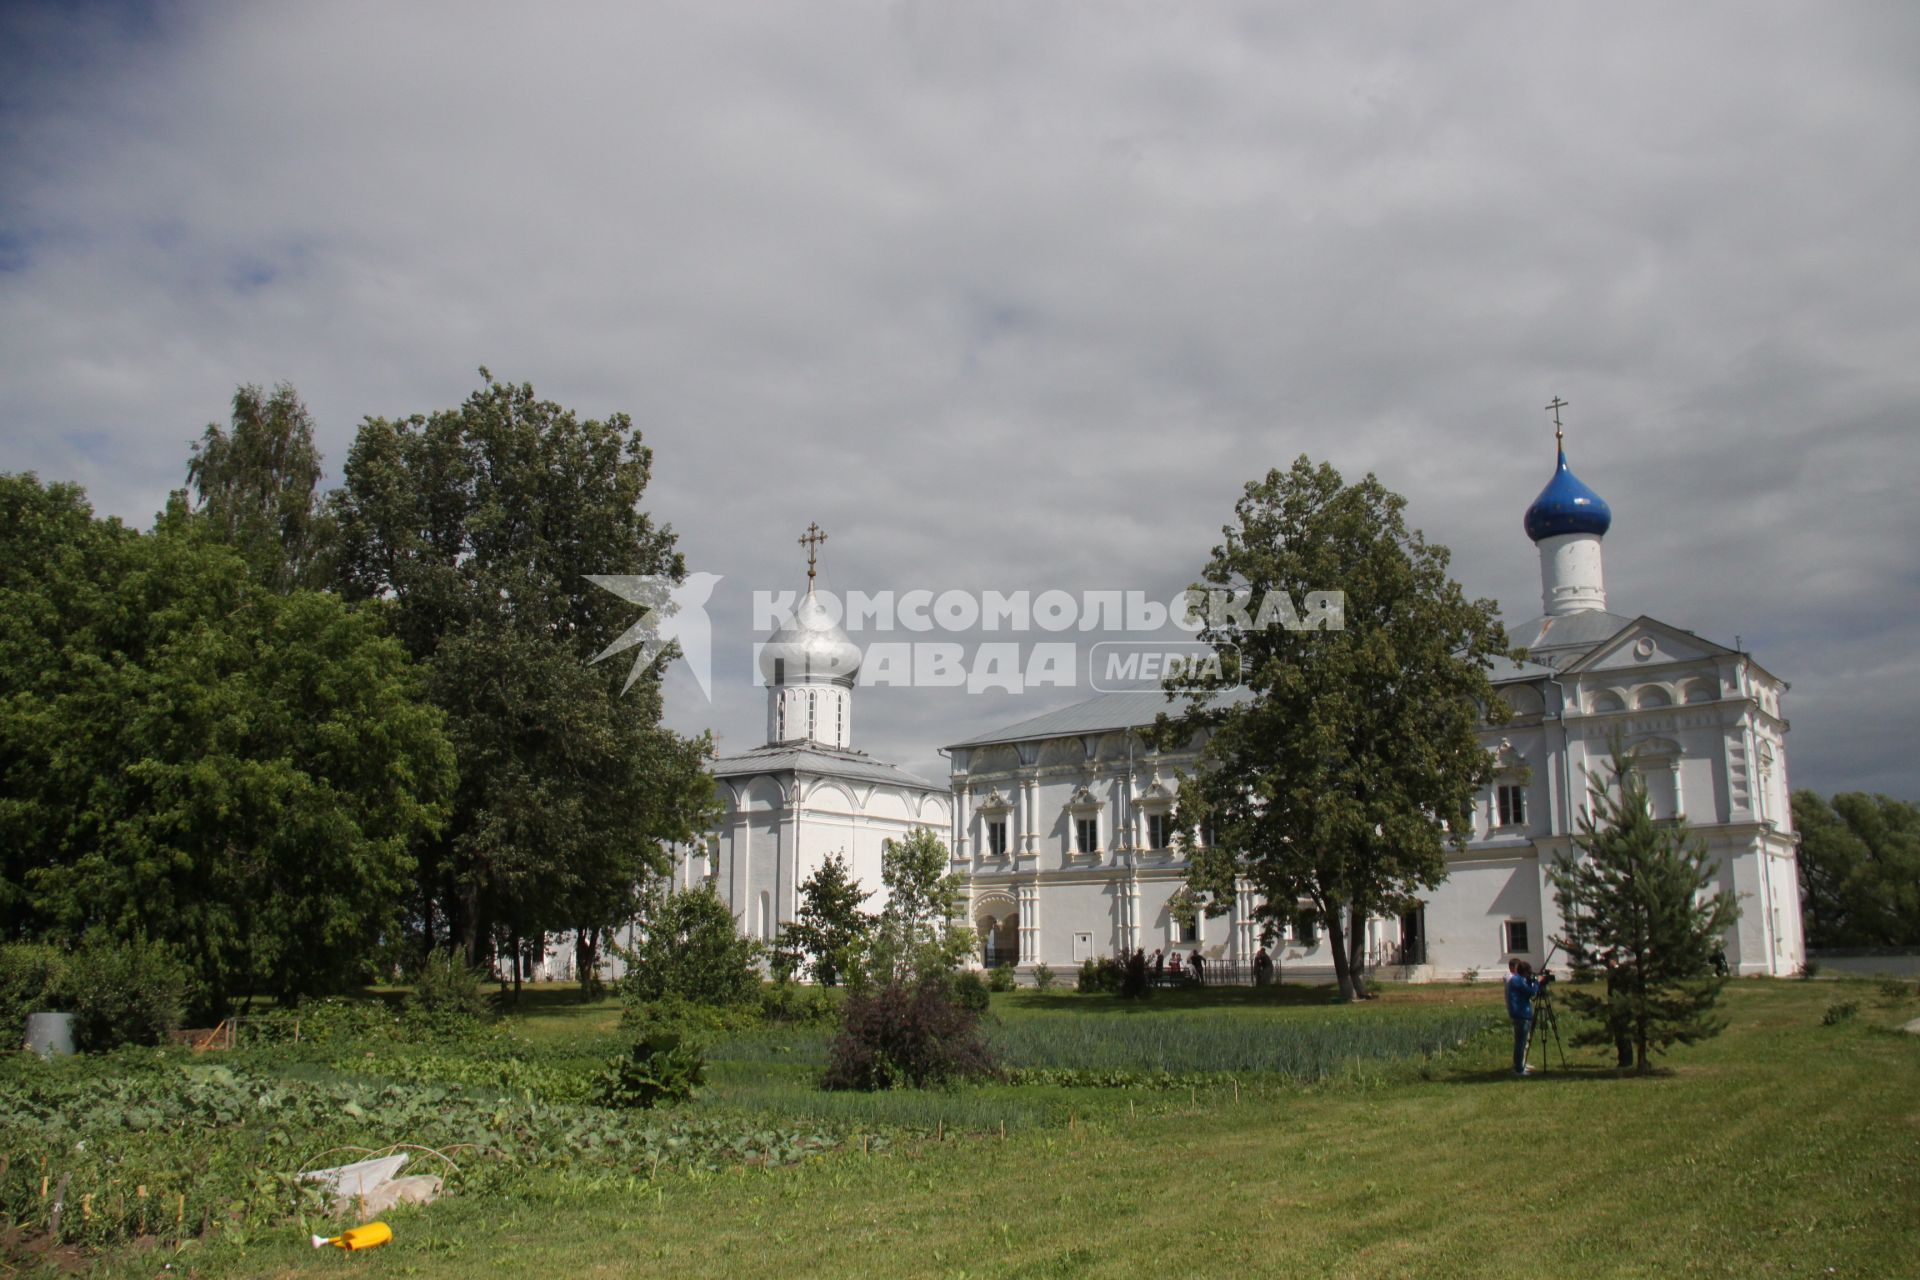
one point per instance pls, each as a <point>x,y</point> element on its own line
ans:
<point>811,540</point>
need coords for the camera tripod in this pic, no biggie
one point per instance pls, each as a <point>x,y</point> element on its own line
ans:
<point>1545,1022</point>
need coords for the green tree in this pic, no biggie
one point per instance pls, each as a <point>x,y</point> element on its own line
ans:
<point>832,928</point>
<point>481,523</point>
<point>1636,903</point>
<point>1859,869</point>
<point>1338,780</point>
<point>914,936</point>
<point>257,484</point>
<point>189,757</point>
<point>690,949</point>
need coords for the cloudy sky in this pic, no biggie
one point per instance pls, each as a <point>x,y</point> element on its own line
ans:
<point>1017,296</point>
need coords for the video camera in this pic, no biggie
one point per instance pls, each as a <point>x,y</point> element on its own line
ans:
<point>1544,977</point>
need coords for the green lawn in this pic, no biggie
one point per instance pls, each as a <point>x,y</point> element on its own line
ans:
<point>1782,1148</point>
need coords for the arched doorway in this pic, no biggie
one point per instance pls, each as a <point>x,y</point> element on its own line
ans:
<point>996,927</point>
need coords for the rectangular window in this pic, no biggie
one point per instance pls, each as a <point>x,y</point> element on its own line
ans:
<point>1082,947</point>
<point>1516,936</point>
<point>1307,929</point>
<point>1159,831</point>
<point>1188,931</point>
<point>996,839</point>
<point>1513,806</point>
<point>1086,835</point>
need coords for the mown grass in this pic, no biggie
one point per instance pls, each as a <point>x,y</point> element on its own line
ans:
<point>1783,1148</point>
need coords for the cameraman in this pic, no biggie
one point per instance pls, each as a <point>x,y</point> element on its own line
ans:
<point>1521,989</point>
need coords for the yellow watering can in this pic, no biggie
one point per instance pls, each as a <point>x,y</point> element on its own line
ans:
<point>371,1236</point>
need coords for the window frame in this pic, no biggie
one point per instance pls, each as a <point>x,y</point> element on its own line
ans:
<point>1510,805</point>
<point>1507,930</point>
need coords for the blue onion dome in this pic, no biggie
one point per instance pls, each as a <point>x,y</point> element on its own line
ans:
<point>1567,505</point>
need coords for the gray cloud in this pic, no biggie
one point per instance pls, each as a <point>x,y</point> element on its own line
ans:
<point>1019,296</point>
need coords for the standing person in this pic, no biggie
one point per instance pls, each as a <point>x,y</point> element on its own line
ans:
<point>1521,989</point>
<point>1262,968</point>
<point>1198,964</point>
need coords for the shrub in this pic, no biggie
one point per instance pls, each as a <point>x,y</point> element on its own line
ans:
<point>639,1016</point>
<point>1043,978</point>
<point>1810,969</point>
<point>1102,975</point>
<point>970,989</point>
<point>336,1019</point>
<point>900,1035</point>
<point>1894,989</point>
<point>1471,974</point>
<point>446,984</point>
<point>692,951</point>
<point>1839,1013</point>
<point>1001,978</point>
<point>1133,978</point>
<point>789,1002</point>
<point>32,978</point>
<point>666,1065</point>
<point>124,992</point>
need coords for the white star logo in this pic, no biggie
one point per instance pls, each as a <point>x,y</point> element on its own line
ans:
<point>675,614</point>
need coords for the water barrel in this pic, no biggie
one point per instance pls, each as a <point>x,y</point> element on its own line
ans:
<point>50,1034</point>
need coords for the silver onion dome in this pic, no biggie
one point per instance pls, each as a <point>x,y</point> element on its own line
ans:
<point>810,649</point>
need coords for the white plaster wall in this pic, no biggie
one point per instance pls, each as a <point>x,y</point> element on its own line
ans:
<point>1465,915</point>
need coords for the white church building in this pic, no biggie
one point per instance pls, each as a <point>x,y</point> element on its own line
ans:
<point>807,794</point>
<point>1062,823</point>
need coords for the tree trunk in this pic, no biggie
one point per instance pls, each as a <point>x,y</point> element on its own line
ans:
<point>519,961</point>
<point>1357,950</point>
<point>470,925</point>
<point>586,962</point>
<point>1337,943</point>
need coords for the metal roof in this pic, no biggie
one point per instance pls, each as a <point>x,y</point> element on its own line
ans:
<point>818,760</point>
<point>1104,714</point>
<point>1507,671</point>
<point>1581,630</point>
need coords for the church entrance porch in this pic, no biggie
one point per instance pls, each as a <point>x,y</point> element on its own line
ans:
<point>999,938</point>
<point>1413,938</point>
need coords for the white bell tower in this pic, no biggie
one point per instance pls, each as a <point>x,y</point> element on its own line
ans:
<point>810,665</point>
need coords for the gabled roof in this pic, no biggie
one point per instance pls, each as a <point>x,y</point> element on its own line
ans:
<point>1580,641</point>
<point>1641,626</point>
<point>1104,714</point>
<point>1507,671</point>
<point>1580,630</point>
<point>812,758</point>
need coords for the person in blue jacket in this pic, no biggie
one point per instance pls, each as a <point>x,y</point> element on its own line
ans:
<point>1521,989</point>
